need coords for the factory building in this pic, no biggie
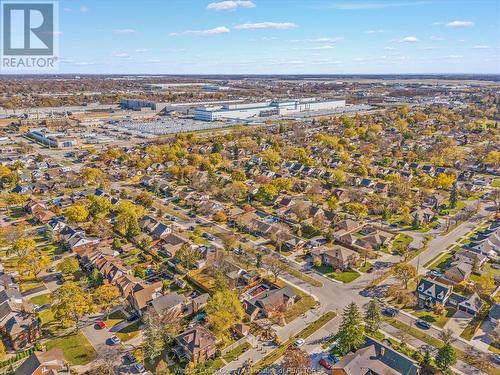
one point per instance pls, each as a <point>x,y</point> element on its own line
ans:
<point>265,109</point>
<point>52,139</point>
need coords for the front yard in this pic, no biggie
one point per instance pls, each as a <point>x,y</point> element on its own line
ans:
<point>442,263</point>
<point>77,349</point>
<point>344,276</point>
<point>129,332</point>
<point>432,317</point>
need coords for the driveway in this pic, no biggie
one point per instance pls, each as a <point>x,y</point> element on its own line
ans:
<point>458,322</point>
<point>482,337</point>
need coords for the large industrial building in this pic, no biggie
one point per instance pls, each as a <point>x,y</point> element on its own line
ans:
<point>265,109</point>
<point>52,139</point>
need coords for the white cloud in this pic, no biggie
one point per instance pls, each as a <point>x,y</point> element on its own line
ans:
<point>374,31</point>
<point>322,47</point>
<point>141,50</point>
<point>152,61</point>
<point>389,48</point>
<point>68,10</point>
<point>124,31</point>
<point>459,24</point>
<point>122,55</point>
<point>230,5</point>
<point>372,5</point>
<point>326,40</point>
<point>214,31</point>
<point>436,38</point>
<point>84,63</point>
<point>84,9</point>
<point>453,57</point>
<point>481,46</point>
<point>409,39</point>
<point>266,25</point>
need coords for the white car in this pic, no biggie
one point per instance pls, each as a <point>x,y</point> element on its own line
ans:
<point>115,340</point>
<point>139,367</point>
<point>299,343</point>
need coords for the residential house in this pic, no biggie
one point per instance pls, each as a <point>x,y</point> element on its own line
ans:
<point>494,314</point>
<point>154,227</point>
<point>171,244</point>
<point>429,292</point>
<point>424,215</point>
<point>269,302</point>
<point>375,240</point>
<point>51,362</point>
<point>471,305</point>
<point>142,296</point>
<point>169,307</point>
<point>376,358</point>
<point>197,343</point>
<point>458,271</point>
<point>339,257</point>
<point>17,322</point>
<point>434,201</point>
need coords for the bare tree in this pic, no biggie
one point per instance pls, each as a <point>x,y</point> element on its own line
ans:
<point>274,265</point>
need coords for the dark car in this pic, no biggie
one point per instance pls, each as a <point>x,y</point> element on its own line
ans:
<point>324,363</point>
<point>390,311</point>
<point>332,358</point>
<point>132,317</point>
<point>423,324</point>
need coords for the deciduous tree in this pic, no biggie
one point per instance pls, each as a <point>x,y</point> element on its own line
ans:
<point>404,272</point>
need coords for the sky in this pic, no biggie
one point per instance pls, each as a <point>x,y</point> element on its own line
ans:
<point>279,36</point>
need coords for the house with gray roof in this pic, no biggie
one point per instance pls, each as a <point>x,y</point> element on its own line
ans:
<point>429,292</point>
<point>376,358</point>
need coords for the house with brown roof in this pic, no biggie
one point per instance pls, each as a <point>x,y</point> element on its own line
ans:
<point>17,322</point>
<point>51,362</point>
<point>197,343</point>
<point>143,295</point>
<point>339,257</point>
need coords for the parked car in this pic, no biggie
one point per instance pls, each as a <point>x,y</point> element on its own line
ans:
<point>101,324</point>
<point>299,343</point>
<point>208,236</point>
<point>435,273</point>
<point>423,324</point>
<point>332,358</point>
<point>130,358</point>
<point>324,363</point>
<point>132,317</point>
<point>139,367</point>
<point>115,340</point>
<point>390,311</point>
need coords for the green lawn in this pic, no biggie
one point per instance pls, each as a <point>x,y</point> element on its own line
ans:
<point>209,367</point>
<point>77,349</point>
<point>495,183</point>
<point>236,352</point>
<point>401,240</point>
<point>366,267</point>
<point>43,299</point>
<point>345,276</point>
<point>442,263</point>
<point>129,332</point>
<point>431,317</point>
<point>114,318</point>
